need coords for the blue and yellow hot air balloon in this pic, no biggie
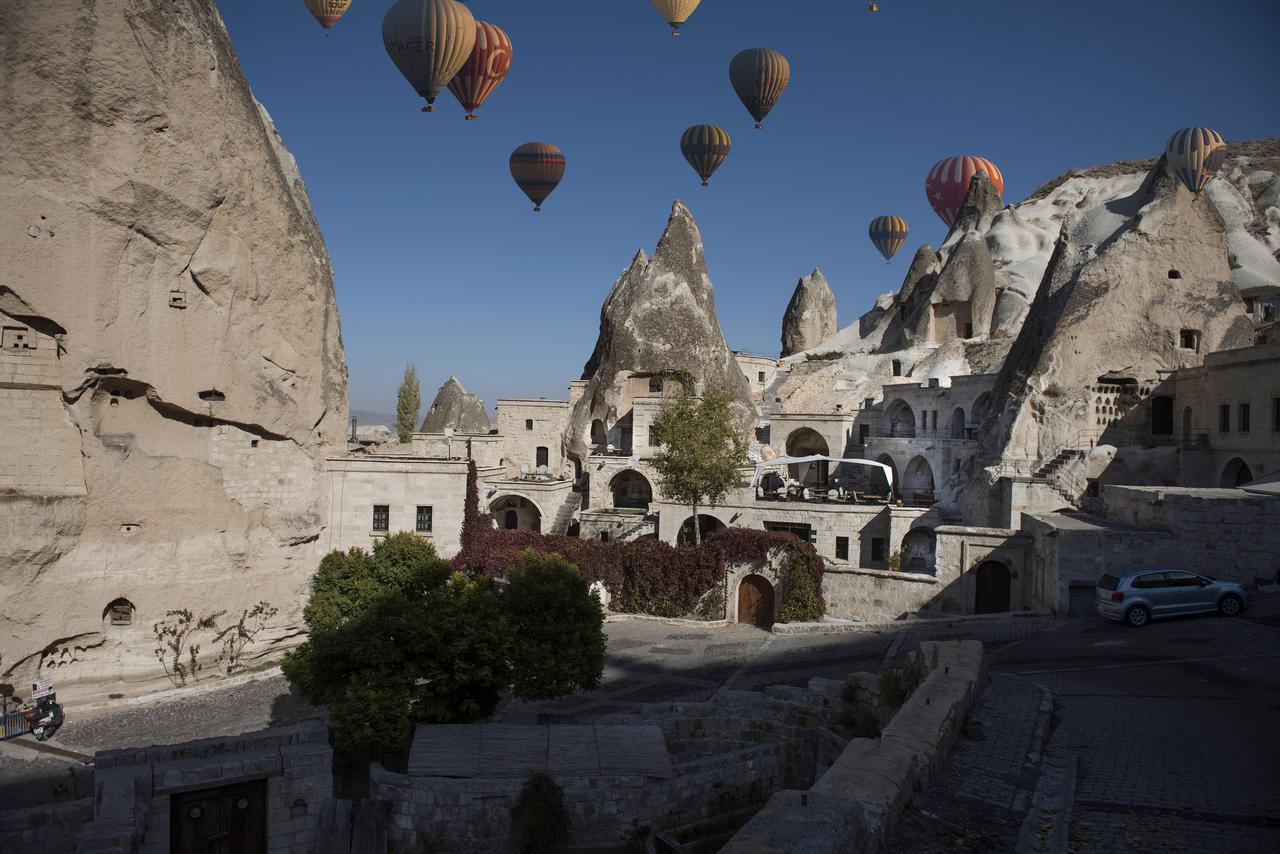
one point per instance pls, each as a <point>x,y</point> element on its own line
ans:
<point>537,168</point>
<point>1196,155</point>
<point>888,233</point>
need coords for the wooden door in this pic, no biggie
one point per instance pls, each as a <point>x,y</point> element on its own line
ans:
<point>225,820</point>
<point>755,601</point>
<point>992,588</point>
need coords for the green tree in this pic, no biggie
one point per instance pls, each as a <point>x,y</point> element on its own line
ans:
<point>701,450</point>
<point>558,627</point>
<point>408,402</point>
<point>800,604</point>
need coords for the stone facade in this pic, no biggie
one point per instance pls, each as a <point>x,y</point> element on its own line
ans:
<point>402,484</point>
<point>532,431</point>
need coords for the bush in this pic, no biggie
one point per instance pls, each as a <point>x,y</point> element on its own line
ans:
<point>558,629</point>
<point>800,602</point>
<point>897,685</point>
<point>346,583</point>
<point>828,356</point>
<point>539,816</point>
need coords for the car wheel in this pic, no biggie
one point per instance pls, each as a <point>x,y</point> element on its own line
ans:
<point>1137,616</point>
<point>1230,605</point>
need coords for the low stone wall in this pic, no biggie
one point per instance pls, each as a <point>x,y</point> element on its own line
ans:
<point>873,594</point>
<point>855,804</point>
<point>727,755</point>
<point>133,787</point>
<point>51,828</point>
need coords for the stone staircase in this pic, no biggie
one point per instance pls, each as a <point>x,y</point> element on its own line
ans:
<point>565,513</point>
<point>1051,473</point>
<point>635,530</point>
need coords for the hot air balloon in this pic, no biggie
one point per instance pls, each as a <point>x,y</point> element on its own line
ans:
<point>484,69</point>
<point>327,12</point>
<point>888,233</point>
<point>537,168</point>
<point>1196,155</point>
<point>429,40</point>
<point>676,12</point>
<point>759,76</point>
<point>705,147</point>
<point>948,183</point>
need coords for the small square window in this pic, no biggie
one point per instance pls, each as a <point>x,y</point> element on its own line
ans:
<point>424,520</point>
<point>528,424</point>
<point>842,548</point>
<point>760,376</point>
<point>877,548</point>
<point>381,517</point>
<point>1189,339</point>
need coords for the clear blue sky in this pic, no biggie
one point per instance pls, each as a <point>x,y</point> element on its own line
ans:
<point>440,261</point>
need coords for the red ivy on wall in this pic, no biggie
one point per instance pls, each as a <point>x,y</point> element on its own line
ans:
<point>643,576</point>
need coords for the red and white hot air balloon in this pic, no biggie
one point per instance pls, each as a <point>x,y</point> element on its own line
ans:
<point>948,183</point>
<point>482,72</point>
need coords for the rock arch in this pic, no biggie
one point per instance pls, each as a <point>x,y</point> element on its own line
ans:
<point>516,512</point>
<point>631,490</point>
<point>1235,473</point>
<point>900,419</point>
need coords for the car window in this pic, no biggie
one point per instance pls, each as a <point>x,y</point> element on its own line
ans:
<point>1149,581</point>
<point>1182,579</point>
<point>1108,582</point>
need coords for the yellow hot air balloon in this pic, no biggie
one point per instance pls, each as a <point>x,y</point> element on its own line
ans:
<point>705,147</point>
<point>1196,155</point>
<point>327,12</point>
<point>676,12</point>
<point>759,76</point>
<point>429,41</point>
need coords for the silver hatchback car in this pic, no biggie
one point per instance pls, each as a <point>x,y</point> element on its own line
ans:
<point>1142,595</point>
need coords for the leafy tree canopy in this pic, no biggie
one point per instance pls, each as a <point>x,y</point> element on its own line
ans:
<point>408,402</point>
<point>701,450</point>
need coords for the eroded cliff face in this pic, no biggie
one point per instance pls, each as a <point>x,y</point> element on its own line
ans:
<point>659,318</point>
<point>194,367</point>
<point>811,315</point>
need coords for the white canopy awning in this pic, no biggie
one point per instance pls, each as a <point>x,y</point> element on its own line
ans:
<point>787,461</point>
<point>1268,485</point>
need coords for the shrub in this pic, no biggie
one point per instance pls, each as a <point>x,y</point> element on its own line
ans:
<point>558,628</point>
<point>897,685</point>
<point>828,356</point>
<point>177,653</point>
<point>348,582</point>
<point>800,602</point>
<point>540,817</point>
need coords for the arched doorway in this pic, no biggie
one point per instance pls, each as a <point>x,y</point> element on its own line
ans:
<point>956,428</point>
<point>917,481</point>
<point>1162,416</point>
<point>991,588</point>
<point>755,601</point>
<point>919,551</point>
<point>1237,473</point>
<point>706,525</point>
<point>900,420</point>
<point>1186,425</point>
<point>879,483</point>
<point>807,442</point>
<point>516,513</point>
<point>981,408</point>
<point>631,490</point>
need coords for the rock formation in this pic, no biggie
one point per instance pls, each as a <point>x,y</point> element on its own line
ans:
<point>810,316</point>
<point>1136,287</point>
<point>659,318</point>
<point>164,243</point>
<point>455,407</point>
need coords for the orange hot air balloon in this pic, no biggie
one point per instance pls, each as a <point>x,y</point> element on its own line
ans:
<point>429,40</point>
<point>676,12</point>
<point>537,168</point>
<point>482,72</point>
<point>705,147</point>
<point>759,76</point>
<point>328,12</point>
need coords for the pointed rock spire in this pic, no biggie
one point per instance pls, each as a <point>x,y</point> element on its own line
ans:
<point>455,407</point>
<point>810,317</point>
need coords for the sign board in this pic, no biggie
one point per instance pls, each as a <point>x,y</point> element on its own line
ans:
<point>43,688</point>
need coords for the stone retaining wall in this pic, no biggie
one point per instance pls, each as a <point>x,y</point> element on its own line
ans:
<point>855,804</point>
<point>49,828</point>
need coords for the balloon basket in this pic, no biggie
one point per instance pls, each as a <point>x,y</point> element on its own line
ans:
<point>537,208</point>
<point>759,126</point>
<point>470,117</point>
<point>705,184</point>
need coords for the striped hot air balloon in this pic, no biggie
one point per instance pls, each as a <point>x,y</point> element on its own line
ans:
<point>705,147</point>
<point>484,69</point>
<point>888,233</point>
<point>676,12</point>
<point>759,76</point>
<point>537,168</point>
<point>1196,155</point>
<point>429,40</point>
<point>948,183</point>
<point>328,12</point>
